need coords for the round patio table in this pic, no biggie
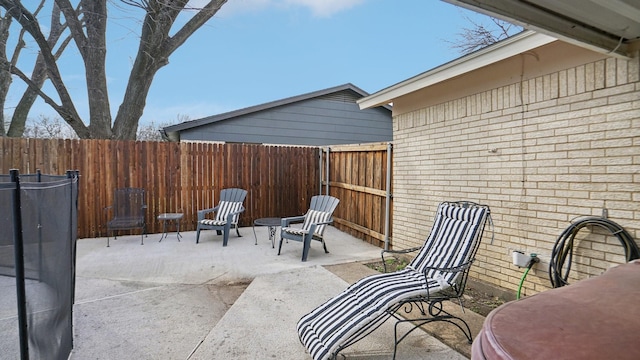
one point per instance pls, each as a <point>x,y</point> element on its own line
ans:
<point>272,223</point>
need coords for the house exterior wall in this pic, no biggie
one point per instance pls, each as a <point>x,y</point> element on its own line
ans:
<point>314,122</point>
<point>541,138</point>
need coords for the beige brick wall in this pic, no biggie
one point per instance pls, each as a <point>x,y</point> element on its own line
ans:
<point>540,152</point>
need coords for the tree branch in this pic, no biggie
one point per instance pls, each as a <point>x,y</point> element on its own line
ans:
<point>78,126</point>
<point>155,48</point>
<point>38,75</point>
<point>75,25</point>
<point>205,14</point>
<point>30,24</point>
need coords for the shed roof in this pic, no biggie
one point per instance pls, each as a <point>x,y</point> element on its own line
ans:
<point>252,109</point>
<point>514,45</point>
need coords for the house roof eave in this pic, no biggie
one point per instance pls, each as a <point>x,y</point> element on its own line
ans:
<point>519,43</point>
<point>605,26</point>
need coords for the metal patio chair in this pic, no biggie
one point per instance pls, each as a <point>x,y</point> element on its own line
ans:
<point>314,222</point>
<point>128,210</point>
<point>438,273</point>
<point>227,214</point>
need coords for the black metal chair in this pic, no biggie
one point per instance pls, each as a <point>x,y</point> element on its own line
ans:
<point>128,211</point>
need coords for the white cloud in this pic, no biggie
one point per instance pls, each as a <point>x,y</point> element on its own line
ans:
<point>320,8</point>
<point>325,8</point>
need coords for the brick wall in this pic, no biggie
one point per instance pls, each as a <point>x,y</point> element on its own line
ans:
<point>540,152</point>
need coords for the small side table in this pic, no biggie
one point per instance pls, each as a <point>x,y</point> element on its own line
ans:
<point>272,223</point>
<point>166,217</point>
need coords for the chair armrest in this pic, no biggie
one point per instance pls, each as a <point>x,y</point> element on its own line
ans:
<point>330,221</point>
<point>404,251</point>
<point>285,222</point>
<point>454,269</point>
<point>312,226</point>
<point>458,288</point>
<point>202,213</point>
<point>234,213</point>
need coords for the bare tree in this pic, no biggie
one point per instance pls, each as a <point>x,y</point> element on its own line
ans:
<point>152,132</point>
<point>481,35</point>
<point>39,73</point>
<point>48,128</point>
<point>87,24</point>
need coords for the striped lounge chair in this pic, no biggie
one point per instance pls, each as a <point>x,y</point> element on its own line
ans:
<point>437,273</point>
<point>227,213</point>
<point>314,222</point>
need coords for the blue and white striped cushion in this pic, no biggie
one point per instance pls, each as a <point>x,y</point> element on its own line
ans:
<point>452,222</point>
<point>314,217</point>
<point>450,242</point>
<point>327,327</point>
<point>211,222</point>
<point>224,208</point>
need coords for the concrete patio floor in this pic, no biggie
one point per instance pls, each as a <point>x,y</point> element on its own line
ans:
<point>181,300</point>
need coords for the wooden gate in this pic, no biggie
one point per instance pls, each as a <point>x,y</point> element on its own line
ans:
<point>360,176</point>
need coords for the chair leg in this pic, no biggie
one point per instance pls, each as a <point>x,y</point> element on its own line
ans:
<point>324,245</point>
<point>238,231</point>
<point>225,237</point>
<point>198,235</point>
<point>306,247</point>
<point>280,245</point>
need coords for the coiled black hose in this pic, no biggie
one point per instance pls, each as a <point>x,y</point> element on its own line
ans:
<point>563,248</point>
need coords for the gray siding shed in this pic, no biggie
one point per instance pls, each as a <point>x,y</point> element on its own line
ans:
<point>326,117</point>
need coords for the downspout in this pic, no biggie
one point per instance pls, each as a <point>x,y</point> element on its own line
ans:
<point>388,199</point>
<point>320,156</point>
<point>327,171</point>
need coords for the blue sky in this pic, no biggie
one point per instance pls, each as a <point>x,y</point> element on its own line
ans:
<point>256,51</point>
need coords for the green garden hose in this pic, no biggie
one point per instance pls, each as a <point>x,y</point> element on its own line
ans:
<point>534,259</point>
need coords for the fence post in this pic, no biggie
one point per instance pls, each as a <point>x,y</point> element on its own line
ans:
<point>388,196</point>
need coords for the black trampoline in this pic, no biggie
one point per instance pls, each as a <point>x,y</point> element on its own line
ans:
<point>37,264</point>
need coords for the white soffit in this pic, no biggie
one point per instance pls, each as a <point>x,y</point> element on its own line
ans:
<point>504,49</point>
<point>607,26</point>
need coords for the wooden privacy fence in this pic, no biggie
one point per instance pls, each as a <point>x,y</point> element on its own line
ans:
<point>187,177</point>
<point>177,177</point>
<point>360,176</point>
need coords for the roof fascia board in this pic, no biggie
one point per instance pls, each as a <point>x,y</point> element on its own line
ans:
<point>269,105</point>
<point>504,49</point>
<point>534,18</point>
